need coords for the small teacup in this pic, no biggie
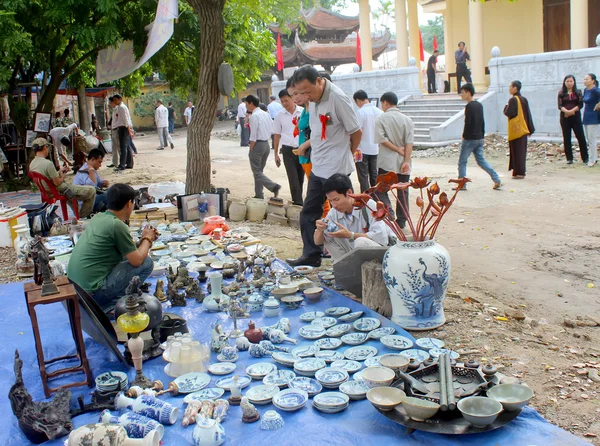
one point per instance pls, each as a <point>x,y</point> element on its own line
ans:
<point>229,352</point>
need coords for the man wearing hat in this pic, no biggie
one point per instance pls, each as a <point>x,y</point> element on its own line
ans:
<point>41,165</point>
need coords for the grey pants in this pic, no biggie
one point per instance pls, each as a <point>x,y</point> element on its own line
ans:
<point>164,137</point>
<point>115,147</point>
<point>258,160</point>
<point>338,247</point>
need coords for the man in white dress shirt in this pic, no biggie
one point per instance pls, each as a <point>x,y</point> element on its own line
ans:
<point>60,150</point>
<point>283,132</point>
<point>122,122</point>
<point>366,169</point>
<point>261,127</point>
<point>241,116</point>
<point>161,117</point>
<point>187,114</point>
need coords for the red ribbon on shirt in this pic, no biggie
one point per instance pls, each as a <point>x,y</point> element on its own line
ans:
<point>296,129</point>
<point>325,119</point>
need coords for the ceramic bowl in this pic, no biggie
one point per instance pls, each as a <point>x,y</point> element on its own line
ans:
<point>378,376</point>
<point>395,362</point>
<point>313,293</point>
<point>479,410</point>
<point>285,291</point>
<point>303,269</point>
<point>511,396</point>
<point>271,420</point>
<point>418,409</point>
<point>305,285</point>
<point>385,398</point>
<point>292,302</point>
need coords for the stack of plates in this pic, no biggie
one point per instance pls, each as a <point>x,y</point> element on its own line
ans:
<point>309,366</point>
<point>329,355</point>
<point>290,399</point>
<point>331,378</point>
<point>347,365</point>
<point>260,369</point>
<point>305,351</point>
<point>112,382</point>
<point>309,385</point>
<point>262,394</point>
<point>279,378</point>
<point>331,402</point>
<point>356,390</point>
<point>285,359</point>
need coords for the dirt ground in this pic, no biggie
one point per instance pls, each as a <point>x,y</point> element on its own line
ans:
<point>525,261</point>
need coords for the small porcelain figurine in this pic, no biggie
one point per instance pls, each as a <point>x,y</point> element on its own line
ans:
<point>176,299</point>
<point>270,347</point>
<point>221,407</point>
<point>249,412</point>
<point>242,343</point>
<point>171,275</point>
<point>218,338</point>
<point>183,278</point>
<point>159,292</point>
<point>236,394</point>
<point>207,408</point>
<point>191,411</point>
<point>193,290</point>
<point>258,351</point>
<point>278,337</point>
<point>208,432</point>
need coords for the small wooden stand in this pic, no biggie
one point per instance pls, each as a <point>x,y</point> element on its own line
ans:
<point>374,292</point>
<point>66,292</point>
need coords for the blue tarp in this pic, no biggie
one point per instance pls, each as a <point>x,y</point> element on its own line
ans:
<point>360,424</point>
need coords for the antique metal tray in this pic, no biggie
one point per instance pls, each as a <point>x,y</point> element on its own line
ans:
<point>467,382</point>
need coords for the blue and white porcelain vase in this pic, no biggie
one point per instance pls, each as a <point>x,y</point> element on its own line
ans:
<point>148,406</point>
<point>136,425</point>
<point>416,275</point>
<point>108,435</point>
<point>208,432</point>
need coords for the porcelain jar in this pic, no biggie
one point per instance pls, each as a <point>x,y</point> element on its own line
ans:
<point>208,432</point>
<point>255,303</point>
<point>242,343</point>
<point>253,334</point>
<point>271,307</point>
<point>108,435</point>
<point>416,275</point>
<point>148,406</point>
<point>136,425</point>
<point>237,211</point>
<point>256,208</point>
<point>21,243</point>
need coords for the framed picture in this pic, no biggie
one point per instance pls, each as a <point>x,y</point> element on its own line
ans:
<point>42,122</point>
<point>31,135</point>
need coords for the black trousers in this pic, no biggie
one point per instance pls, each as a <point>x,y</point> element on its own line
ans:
<point>245,136</point>
<point>311,212</point>
<point>295,173</point>
<point>431,88</point>
<point>126,158</point>
<point>462,71</point>
<point>573,123</point>
<point>366,171</point>
<point>402,195</point>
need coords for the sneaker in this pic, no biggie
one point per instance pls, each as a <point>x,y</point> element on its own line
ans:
<point>161,148</point>
<point>570,162</point>
<point>172,146</point>
<point>497,185</point>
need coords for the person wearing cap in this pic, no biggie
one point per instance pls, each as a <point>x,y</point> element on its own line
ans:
<point>41,165</point>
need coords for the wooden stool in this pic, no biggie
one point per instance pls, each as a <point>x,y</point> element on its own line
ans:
<point>33,296</point>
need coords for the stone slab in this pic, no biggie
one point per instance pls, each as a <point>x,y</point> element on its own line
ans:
<point>347,270</point>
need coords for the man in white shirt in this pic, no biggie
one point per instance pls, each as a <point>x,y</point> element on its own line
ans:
<point>114,133</point>
<point>274,107</point>
<point>366,168</point>
<point>241,116</point>
<point>284,127</point>
<point>261,127</point>
<point>161,117</point>
<point>187,114</point>
<point>122,122</point>
<point>57,134</point>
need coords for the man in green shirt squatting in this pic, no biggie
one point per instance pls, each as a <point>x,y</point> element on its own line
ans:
<point>105,258</point>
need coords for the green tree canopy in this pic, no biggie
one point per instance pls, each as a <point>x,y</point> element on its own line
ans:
<point>434,27</point>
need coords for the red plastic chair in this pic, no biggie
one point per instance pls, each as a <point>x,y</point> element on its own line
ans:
<point>53,196</point>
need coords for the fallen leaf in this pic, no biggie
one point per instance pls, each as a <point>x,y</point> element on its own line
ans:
<point>501,318</point>
<point>590,285</point>
<point>567,281</point>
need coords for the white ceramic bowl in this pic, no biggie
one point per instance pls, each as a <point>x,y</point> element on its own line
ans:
<point>418,409</point>
<point>385,398</point>
<point>511,396</point>
<point>479,410</point>
<point>284,291</point>
<point>378,376</point>
<point>292,302</point>
<point>313,293</point>
<point>396,362</point>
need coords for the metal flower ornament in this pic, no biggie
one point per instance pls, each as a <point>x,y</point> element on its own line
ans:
<point>432,203</point>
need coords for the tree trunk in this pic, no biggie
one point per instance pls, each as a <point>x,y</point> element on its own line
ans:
<point>212,44</point>
<point>84,113</point>
<point>46,101</point>
<point>374,292</point>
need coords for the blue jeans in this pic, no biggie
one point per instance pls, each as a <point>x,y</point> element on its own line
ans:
<point>476,148</point>
<point>118,279</point>
<point>171,125</point>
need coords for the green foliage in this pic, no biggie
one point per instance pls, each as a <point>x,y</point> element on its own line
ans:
<point>14,44</point>
<point>145,106</point>
<point>433,27</point>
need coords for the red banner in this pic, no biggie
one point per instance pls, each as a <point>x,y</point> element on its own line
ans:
<point>279,54</point>
<point>358,55</point>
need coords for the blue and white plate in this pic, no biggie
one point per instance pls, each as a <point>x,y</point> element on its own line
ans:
<point>331,402</point>
<point>329,355</point>
<point>309,385</point>
<point>381,332</point>
<point>311,332</point>
<point>260,369</point>
<point>356,390</point>
<point>58,244</point>
<point>429,343</point>
<point>331,378</point>
<point>354,338</point>
<point>325,322</point>
<point>416,354</point>
<point>436,352</point>
<point>290,399</point>
<point>308,366</point>
<point>338,330</point>
<point>396,342</point>
<point>211,393</point>
<point>373,361</point>
<point>160,252</point>
<point>226,383</point>
<point>337,311</point>
<point>347,365</point>
<point>351,317</point>
<point>111,381</point>
<point>311,316</point>
<point>262,394</point>
<point>366,324</point>
<point>360,353</point>
<point>328,343</point>
<point>221,368</point>
<point>305,351</point>
<point>358,377</point>
<point>279,378</point>
<point>285,358</point>
<point>192,382</point>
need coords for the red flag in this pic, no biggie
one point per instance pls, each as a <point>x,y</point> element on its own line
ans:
<point>279,54</point>
<point>435,45</point>
<point>358,55</point>
<point>421,46</point>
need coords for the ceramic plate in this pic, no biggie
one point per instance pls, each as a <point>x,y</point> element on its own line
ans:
<point>279,378</point>
<point>226,383</point>
<point>418,355</point>
<point>309,365</point>
<point>309,385</point>
<point>285,358</point>
<point>260,369</point>
<point>329,355</point>
<point>311,332</point>
<point>303,269</point>
<point>366,324</point>
<point>347,365</point>
<point>354,338</point>
<point>192,382</point>
<point>356,390</point>
<point>311,316</point>
<point>358,376</point>
<point>224,359</point>
<point>436,352</point>
<point>325,322</point>
<point>360,353</point>
<point>338,330</point>
<point>290,399</point>
<point>216,265</point>
<point>221,368</point>
<point>58,243</point>
<point>331,400</point>
<point>305,351</point>
<point>337,311</point>
<point>429,343</point>
<point>161,252</point>
<point>330,376</point>
<point>262,394</point>
<point>351,317</point>
<point>328,343</point>
<point>373,361</point>
<point>111,380</point>
<point>396,342</point>
<point>211,393</point>
<point>381,332</point>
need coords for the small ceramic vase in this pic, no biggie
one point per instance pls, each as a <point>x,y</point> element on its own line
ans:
<point>21,241</point>
<point>208,432</point>
<point>413,365</point>
<point>136,425</point>
<point>271,307</point>
<point>220,413</point>
<point>257,351</point>
<point>255,303</point>
<point>207,408</point>
<point>108,435</point>
<point>148,406</point>
<point>284,325</point>
<point>191,412</point>
<point>278,337</point>
<point>242,343</point>
<point>271,420</point>
<point>270,347</point>
<point>211,304</point>
<point>253,334</point>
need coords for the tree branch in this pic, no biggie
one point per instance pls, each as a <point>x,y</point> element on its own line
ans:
<point>78,62</point>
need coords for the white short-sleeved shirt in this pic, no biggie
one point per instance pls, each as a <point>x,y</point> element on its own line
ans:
<point>355,222</point>
<point>188,113</point>
<point>332,154</point>
<point>242,109</point>
<point>274,107</point>
<point>261,125</point>
<point>366,116</point>
<point>121,117</point>
<point>161,116</point>
<point>283,125</point>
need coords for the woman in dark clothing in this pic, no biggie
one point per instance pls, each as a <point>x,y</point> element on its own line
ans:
<point>518,146</point>
<point>570,103</point>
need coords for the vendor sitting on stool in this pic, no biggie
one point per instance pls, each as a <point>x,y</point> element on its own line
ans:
<point>346,228</point>
<point>87,175</point>
<point>105,258</point>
